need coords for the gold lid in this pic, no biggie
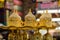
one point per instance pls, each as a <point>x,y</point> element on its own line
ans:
<point>45,19</point>
<point>15,19</point>
<point>30,15</point>
<point>30,19</point>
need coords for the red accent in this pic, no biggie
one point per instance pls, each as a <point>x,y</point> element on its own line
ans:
<point>16,2</point>
<point>49,5</point>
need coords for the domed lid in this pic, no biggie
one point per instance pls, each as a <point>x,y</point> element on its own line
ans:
<point>14,19</point>
<point>46,15</point>
<point>30,16</point>
<point>15,14</point>
<point>45,19</point>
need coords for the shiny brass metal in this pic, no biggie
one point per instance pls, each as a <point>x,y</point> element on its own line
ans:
<point>37,35</point>
<point>47,36</point>
<point>30,20</point>
<point>12,36</point>
<point>14,19</point>
<point>30,23</point>
<point>45,20</point>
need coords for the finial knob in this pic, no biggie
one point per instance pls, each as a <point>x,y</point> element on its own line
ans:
<point>46,11</point>
<point>29,10</point>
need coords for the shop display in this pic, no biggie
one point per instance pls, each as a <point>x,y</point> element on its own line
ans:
<point>18,28</point>
<point>15,23</point>
<point>30,23</point>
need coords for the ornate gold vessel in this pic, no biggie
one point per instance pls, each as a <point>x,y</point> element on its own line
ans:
<point>45,20</point>
<point>15,19</point>
<point>25,35</point>
<point>47,36</point>
<point>12,36</point>
<point>37,36</point>
<point>30,23</point>
<point>30,19</point>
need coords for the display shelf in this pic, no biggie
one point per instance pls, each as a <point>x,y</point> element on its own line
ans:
<point>53,19</point>
<point>45,0</point>
<point>49,11</point>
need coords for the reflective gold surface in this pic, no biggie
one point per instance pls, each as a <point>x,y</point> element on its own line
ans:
<point>45,20</point>
<point>30,19</point>
<point>14,19</point>
<point>37,36</point>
